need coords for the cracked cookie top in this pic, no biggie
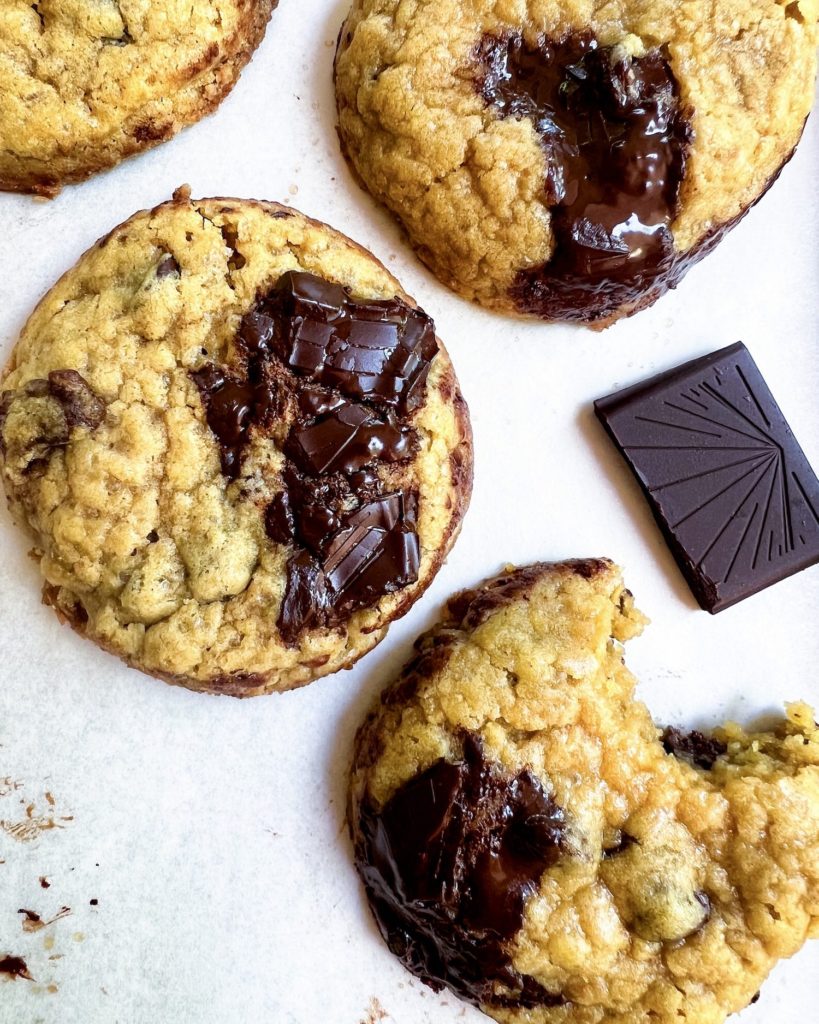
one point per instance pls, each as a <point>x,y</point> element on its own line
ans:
<point>86,84</point>
<point>528,837</point>
<point>239,446</point>
<point>571,161</point>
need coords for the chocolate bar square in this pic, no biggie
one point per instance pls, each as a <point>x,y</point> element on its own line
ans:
<point>726,479</point>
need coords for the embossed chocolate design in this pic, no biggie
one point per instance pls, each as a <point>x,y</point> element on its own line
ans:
<point>726,479</point>
<point>449,863</point>
<point>351,373</point>
<point>615,139</point>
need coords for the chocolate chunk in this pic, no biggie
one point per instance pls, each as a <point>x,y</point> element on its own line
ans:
<point>377,351</point>
<point>50,425</point>
<point>374,552</point>
<point>615,139</point>
<point>726,480</point>
<point>81,406</point>
<point>694,747</point>
<point>624,843</point>
<point>449,863</point>
<point>346,440</point>
<point>231,405</point>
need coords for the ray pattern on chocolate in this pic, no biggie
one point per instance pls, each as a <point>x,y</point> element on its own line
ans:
<point>737,504</point>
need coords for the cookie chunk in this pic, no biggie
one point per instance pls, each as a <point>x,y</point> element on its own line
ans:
<point>86,84</point>
<point>528,838</point>
<point>240,448</point>
<point>570,161</point>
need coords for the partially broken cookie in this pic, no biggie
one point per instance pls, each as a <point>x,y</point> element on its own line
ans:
<point>531,840</point>
<point>571,161</point>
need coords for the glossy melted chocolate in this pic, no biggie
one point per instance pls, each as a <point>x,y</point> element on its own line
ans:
<point>449,863</point>
<point>615,140</point>
<point>350,373</point>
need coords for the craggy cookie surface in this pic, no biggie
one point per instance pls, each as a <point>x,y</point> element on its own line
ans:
<point>531,840</point>
<point>571,160</point>
<point>86,84</point>
<point>241,450</point>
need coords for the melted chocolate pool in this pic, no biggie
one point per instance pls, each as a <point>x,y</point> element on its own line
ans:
<point>615,140</point>
<point>449,863</point>
<point>350,373</point>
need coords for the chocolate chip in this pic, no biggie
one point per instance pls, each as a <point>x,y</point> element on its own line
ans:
<point>615,139</point>
<point>624,843</point>
<point>81,406</point>
<point>449,863</point>
<point>15,967</point>
<point>168,267</point>
<point>694,747</point>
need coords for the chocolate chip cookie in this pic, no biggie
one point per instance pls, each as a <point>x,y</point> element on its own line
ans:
<point>240,448</point>
<point>86,84</point>
<point>571,161</point>
<point>529,839</point>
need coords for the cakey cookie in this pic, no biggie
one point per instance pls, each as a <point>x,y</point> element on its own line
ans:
<point>570,161</point>
<point>86,84</point>
<point>529,839</point>
<point>239,446</point>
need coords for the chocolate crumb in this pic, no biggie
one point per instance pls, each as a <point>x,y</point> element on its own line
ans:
<point>15,967</point>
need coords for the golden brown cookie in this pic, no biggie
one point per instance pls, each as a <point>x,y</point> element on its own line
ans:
<point>531,840</point>
<point>570,161</point>
<point>85,85</point>
<point>240,448</point>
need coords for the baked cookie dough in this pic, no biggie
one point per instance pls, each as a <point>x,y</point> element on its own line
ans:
<point>529,839</point>
<point>86,84</point>
<point>239,446</point>
<point>570,161</point>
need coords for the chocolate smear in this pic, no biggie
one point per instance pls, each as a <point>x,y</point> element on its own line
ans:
<point>615,139</point>
<point>449,863</point>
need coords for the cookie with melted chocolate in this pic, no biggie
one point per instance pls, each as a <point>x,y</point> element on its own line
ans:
<point>241,448</point>
<point>529,839</point>
<point>570,162</point>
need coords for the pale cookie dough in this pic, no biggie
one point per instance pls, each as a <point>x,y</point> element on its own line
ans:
<point>475,121</point>
<point>149,545</point>
<point>86,84</point>
<point>530,839</point>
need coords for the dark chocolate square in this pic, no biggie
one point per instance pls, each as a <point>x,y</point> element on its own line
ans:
<point>726,479</point>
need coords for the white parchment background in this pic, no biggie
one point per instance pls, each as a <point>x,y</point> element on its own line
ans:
<point>210,831</point>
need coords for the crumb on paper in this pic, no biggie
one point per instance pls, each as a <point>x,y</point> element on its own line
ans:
<point>375,1012</point>
<point>33,922</point>
<point>14,967</point>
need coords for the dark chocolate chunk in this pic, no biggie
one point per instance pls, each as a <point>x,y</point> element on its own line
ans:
<point>726,480</point>
<point>374,552</point>
<point>346,440</point>
<point>615,139</point>
<point>377,351</point>
<point>231,406</point>
<point>77,406</point>
<point>694,747</point>
<point>449,863</point>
